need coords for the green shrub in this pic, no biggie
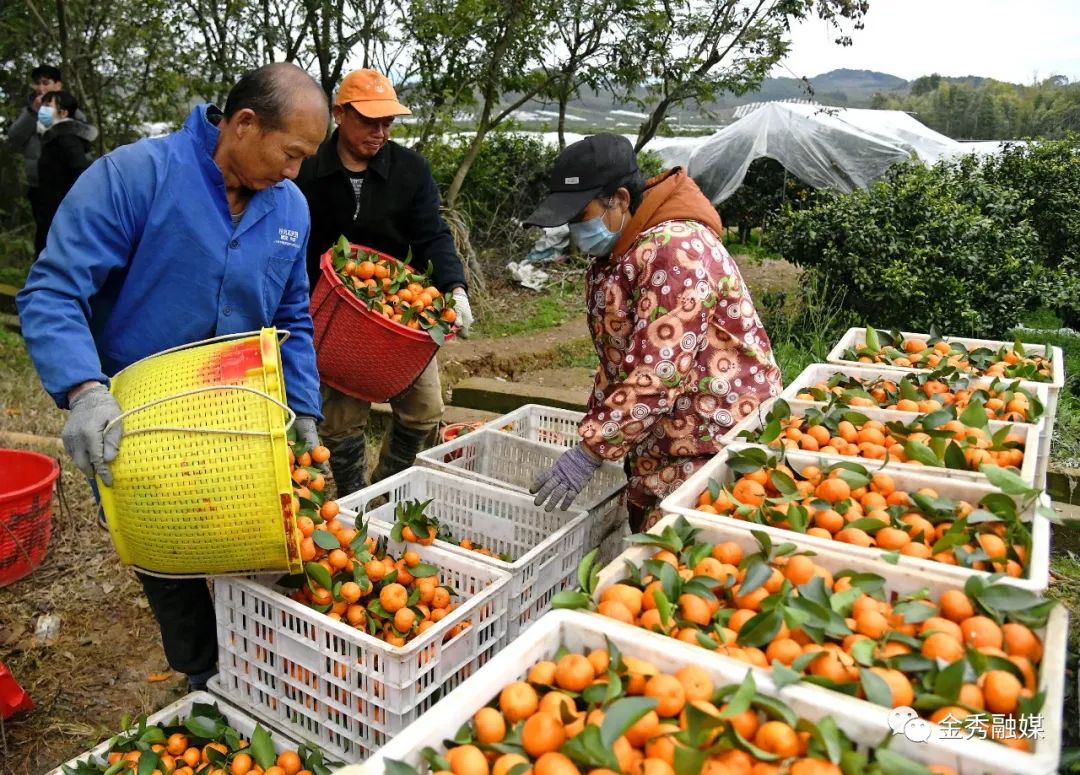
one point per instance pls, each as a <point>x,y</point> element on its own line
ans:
<point>943,247</point>
<point>1046,174</point>
<point>765,190</point>
<point>506,181</point>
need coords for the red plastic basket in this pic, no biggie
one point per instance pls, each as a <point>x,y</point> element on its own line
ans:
<point>360,352</point>
<point>26,487</point>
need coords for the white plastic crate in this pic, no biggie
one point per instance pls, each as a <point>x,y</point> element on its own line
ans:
<point>684,502</point>
<point>546,546</point>
<point>756,420</point>
<point>967,756</point>
<point>823,372</point>
<point>343,689</point>
<point>180,710</point>
<point>856,337</point>
<point>546,424</point>
<point>507,461</point>
<point>583,632</point>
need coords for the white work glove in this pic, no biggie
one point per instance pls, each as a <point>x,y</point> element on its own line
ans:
<point>307,435</point>
<point>464,311</point>
<point>84,435</point>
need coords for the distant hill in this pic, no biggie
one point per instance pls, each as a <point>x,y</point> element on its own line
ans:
<point>843,88</point>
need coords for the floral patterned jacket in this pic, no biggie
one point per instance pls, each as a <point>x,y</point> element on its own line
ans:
<point>683,355</point>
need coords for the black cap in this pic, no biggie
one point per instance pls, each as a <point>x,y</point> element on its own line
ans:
<point>581,172</point>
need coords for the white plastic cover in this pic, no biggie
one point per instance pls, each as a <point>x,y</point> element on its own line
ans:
<point>839,148</point>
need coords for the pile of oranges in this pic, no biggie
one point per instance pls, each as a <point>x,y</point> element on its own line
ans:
<point>893,349</point>
<point>176,749</point>
<point>1001,400</point>
<point>413,524</point>
<point>556,722</point>
<point>351,577</point>
<point>948,655</point>
<point>391,288</point>
<point>854,506</point>
<point>929,440</point>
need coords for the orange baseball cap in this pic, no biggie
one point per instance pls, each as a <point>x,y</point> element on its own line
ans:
<point>371,93</point>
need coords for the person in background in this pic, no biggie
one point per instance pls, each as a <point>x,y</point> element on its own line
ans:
<point>24,137</point>
<point>171,241</point>
<point>381,195</point>
<point>65,149</point>
<point>683,354</point>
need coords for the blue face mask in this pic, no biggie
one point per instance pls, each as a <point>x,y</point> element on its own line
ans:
<point>593,237</point>
<point>45,115</point>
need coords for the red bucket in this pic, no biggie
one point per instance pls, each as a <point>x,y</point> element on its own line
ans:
<point>26,487</point>
<point>360,352</point>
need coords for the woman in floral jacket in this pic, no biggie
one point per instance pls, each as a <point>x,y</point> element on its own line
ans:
<point>683,354</point>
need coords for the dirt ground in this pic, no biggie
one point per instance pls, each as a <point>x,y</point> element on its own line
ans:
<point>108,645</point>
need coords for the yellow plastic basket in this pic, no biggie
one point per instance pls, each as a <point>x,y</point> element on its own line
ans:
<point>201,483</point>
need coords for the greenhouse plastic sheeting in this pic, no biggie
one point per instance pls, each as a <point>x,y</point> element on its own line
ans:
<point>839,148</point>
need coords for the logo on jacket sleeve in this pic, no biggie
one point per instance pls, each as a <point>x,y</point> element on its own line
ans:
<point>288,237</point>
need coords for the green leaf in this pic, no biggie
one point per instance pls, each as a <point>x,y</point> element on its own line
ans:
<point>587,572</point>
<point>438,336</point>
<point>743,697</point>
<point>784,484</point>
<point>1002,597</point>
<point>892,763</point>
<point>394,767</point>
<point>871,338</point>
<point>863,651</point>
<point>827,734</point>
<point>588,749</point>
<point>974,416</point>
<point>770,432</point>
<point>782,675</point>
<point>936,419</point>
<point>1006,481</point>
<point>954,457</point>
<point>689,761</point>
<point>663,606</point>
<point>760,629</point>
<point>572,600</point>
<point>318,574</point>
<point>916,450</point>
<point>948,681</point>
<point>201,726</point>
<point>150,761</point>
<point>875,688</point>
<point>423,570</point>
<point>262,747</point>
<point>757,573</point>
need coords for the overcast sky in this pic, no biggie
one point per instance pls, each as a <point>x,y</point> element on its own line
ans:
<point>1011,40</point>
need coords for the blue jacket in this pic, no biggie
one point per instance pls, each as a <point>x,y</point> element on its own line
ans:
<point>142,256</point>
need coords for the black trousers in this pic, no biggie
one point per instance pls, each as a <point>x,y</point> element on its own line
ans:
<point>43,214</point>
<point>184,610</point>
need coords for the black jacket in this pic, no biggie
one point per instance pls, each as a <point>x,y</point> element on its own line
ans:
<point>399,211</point>
<point>64,156</point>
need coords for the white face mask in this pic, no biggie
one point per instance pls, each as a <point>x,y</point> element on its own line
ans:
<point>593,237</point>
<point>45,115</point>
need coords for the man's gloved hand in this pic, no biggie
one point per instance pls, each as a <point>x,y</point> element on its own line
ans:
<point>307,435</point>
<point>464,311</point>
<point>84,432</point>
<point>564,480</point>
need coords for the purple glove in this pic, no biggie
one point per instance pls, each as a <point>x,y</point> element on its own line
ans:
<point>564,480</point>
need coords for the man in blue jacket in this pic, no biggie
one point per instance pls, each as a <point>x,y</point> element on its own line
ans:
<point>170,241</point>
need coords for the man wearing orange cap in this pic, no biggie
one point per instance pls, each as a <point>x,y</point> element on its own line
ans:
<point>382,195</point>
